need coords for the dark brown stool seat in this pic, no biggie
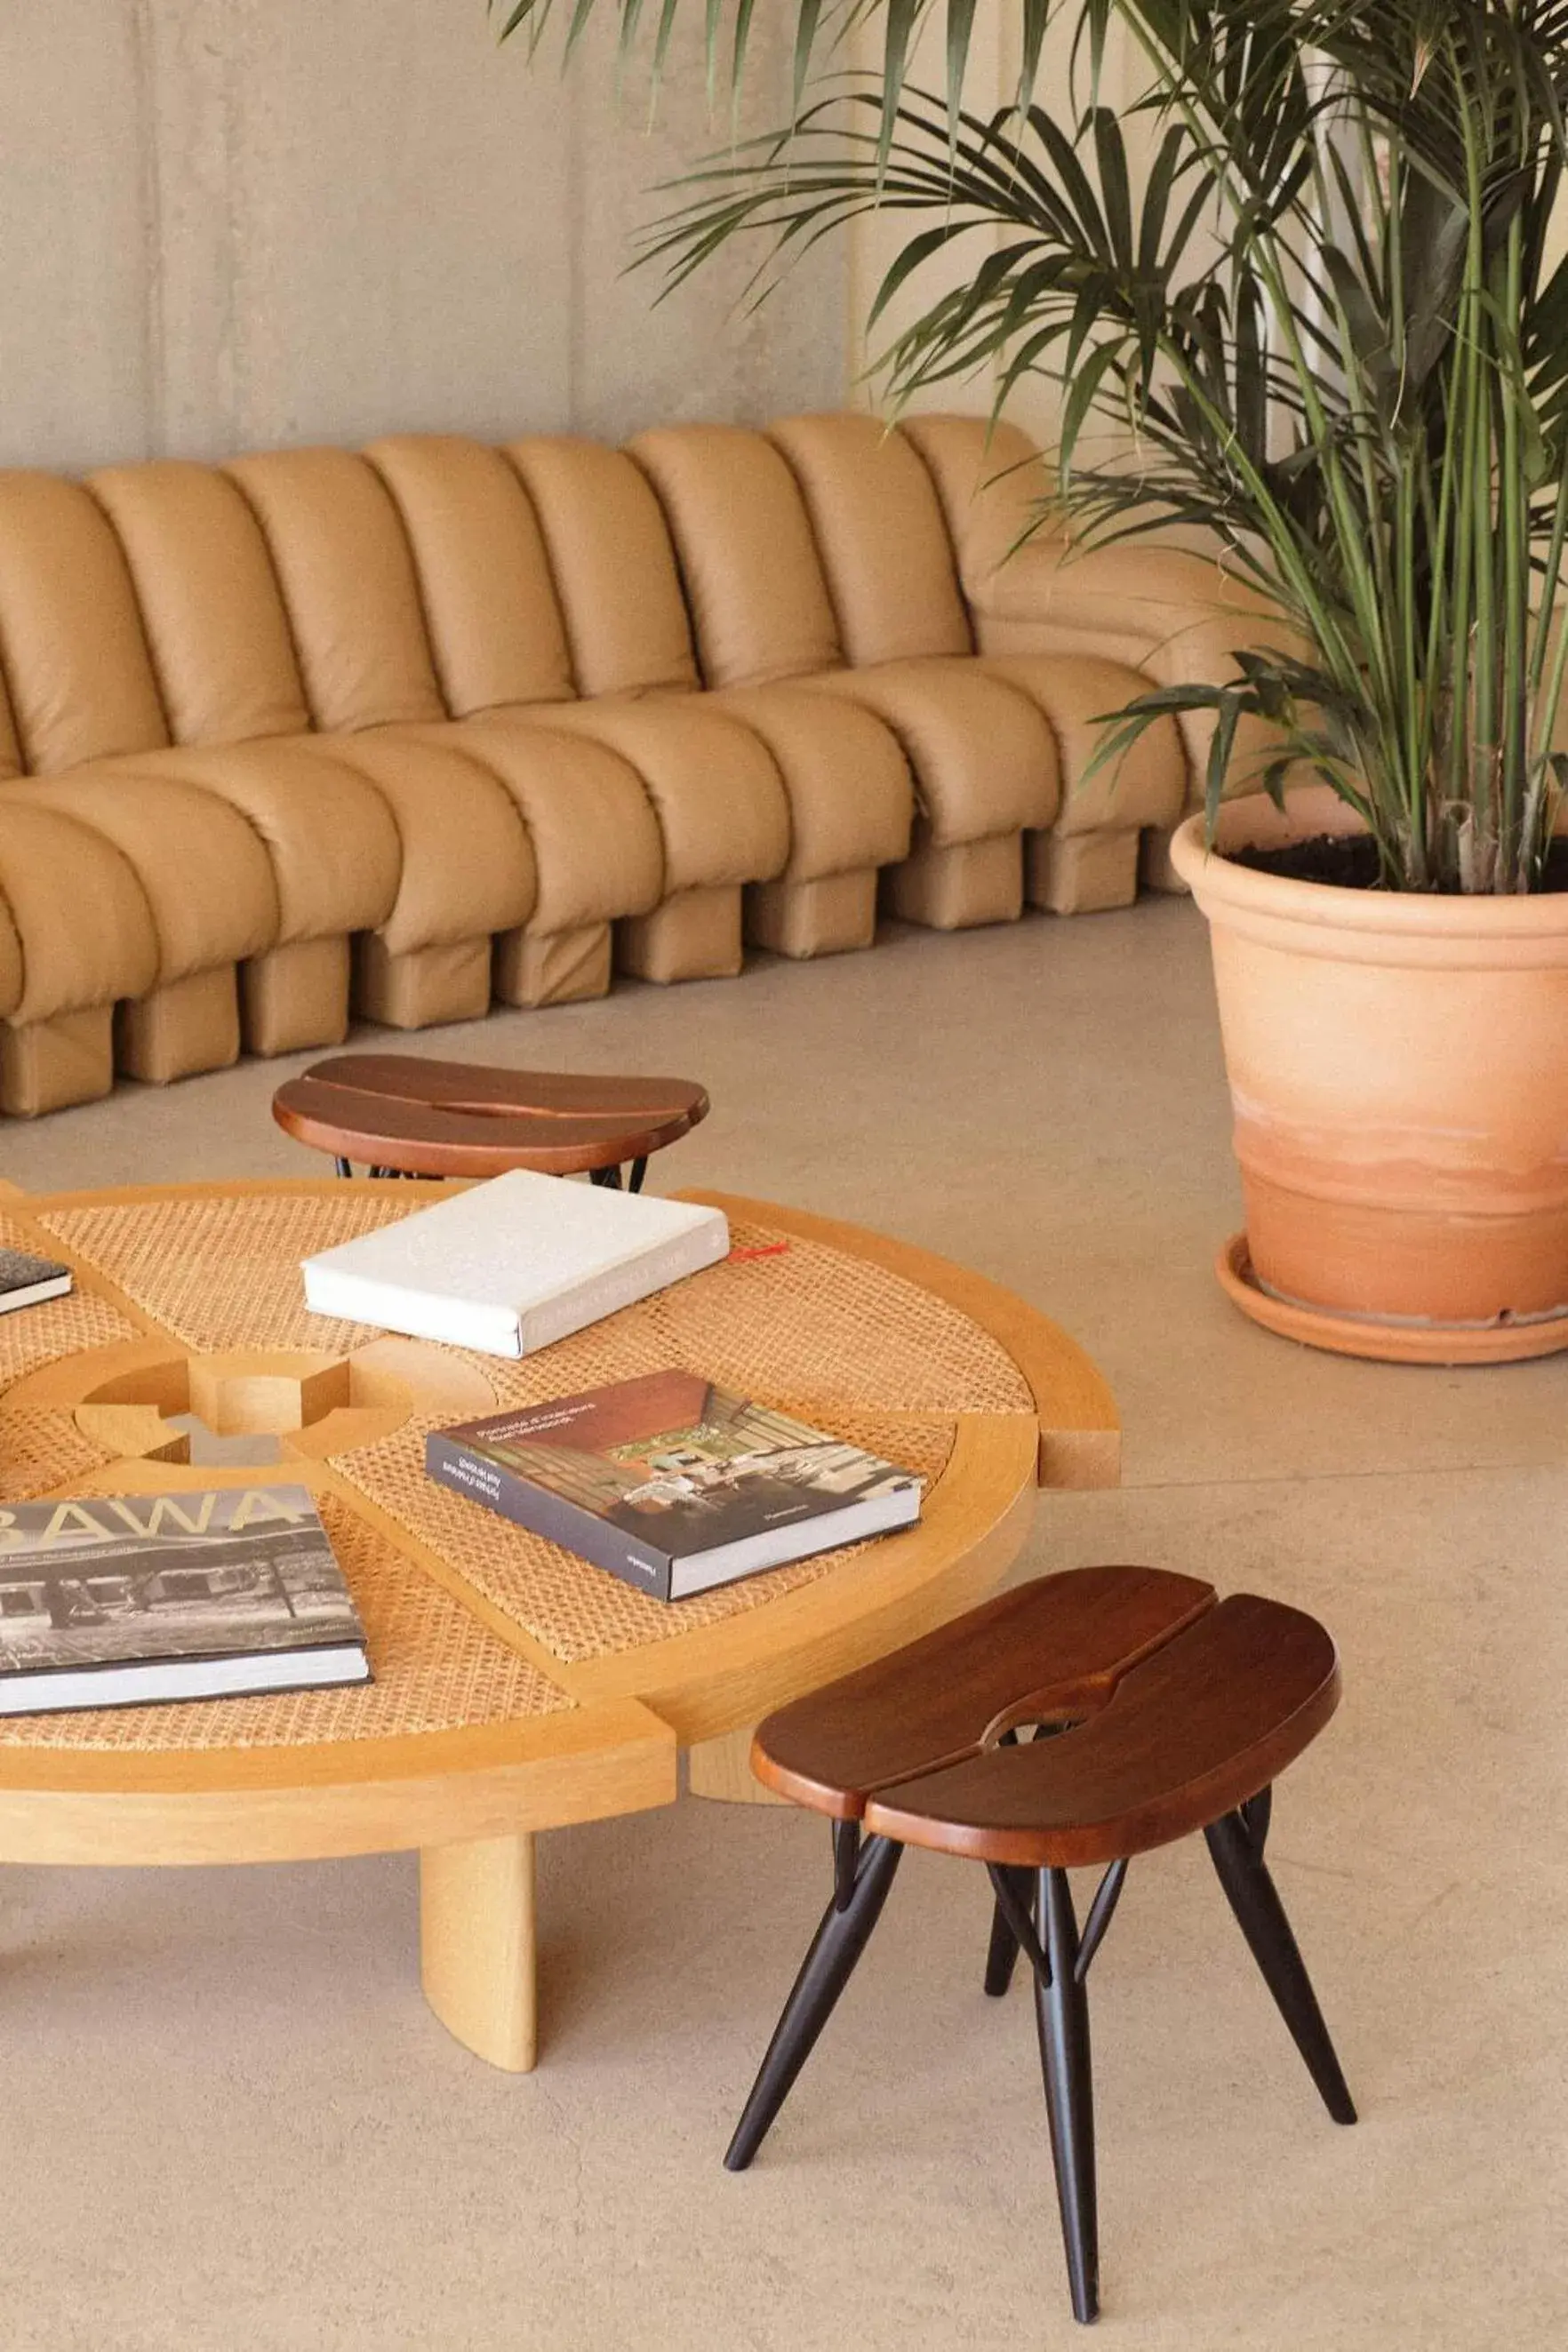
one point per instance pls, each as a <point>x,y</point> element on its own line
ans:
<point>1083,1718</point>
<point>405,1116</point>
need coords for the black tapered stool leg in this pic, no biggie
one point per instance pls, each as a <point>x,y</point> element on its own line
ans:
<point>1253,1896</point>
<point>1002,1958</point>
<point>1062,2013</point>
<point>845,1928</point>
<point>342,1166</point>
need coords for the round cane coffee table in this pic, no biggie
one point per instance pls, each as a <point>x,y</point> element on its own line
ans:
<point>517,1689</point>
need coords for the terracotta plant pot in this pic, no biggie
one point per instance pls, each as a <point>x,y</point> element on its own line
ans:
<point>1398,1070</point>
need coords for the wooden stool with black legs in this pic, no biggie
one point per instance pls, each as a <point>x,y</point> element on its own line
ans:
<point>1080,1719</point>
<point>407,1114</point>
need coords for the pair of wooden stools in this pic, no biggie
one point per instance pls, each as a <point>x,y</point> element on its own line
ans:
<point>1082,1718</point>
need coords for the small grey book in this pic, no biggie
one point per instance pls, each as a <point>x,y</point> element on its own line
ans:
<point>25,1280</point>
<point>672,1484</point>
<point>126,1600</point>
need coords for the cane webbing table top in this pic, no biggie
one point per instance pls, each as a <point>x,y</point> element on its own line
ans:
<point>516,1687</point>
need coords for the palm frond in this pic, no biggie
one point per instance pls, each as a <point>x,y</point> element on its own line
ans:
<point>1317,292</point>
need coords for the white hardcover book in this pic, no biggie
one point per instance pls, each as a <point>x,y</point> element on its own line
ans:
<point>515,1264</point>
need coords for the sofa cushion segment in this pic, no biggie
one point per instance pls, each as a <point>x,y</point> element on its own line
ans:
<point>10,742</point>
<point>880,533</point>
<point>598,853</point>
<point>13,971</point>
<point>722,812</point>
<point>49,863</point>
<point>339,553</point>
<point>327,835</point>
<point>465,859</point>
<point>1168,612</point>
<point>203,872</point>
<point>613,564</point>
<point>754,584</point>
<point>993,485</point>
<point>75,657</point>
<point>210,601</point>
<point>1130,596</point>
<point>851,795</point>
<point>1147,785</point>
<point>983,755</point>
<point>489,602</point>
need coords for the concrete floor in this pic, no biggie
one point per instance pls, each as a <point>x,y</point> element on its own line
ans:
<point>229,2118</point>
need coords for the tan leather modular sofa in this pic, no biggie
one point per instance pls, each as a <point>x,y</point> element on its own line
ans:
<point>439,723</point>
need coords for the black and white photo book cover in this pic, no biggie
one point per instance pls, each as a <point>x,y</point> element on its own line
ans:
<point>26,1280</point>
<point>120,1600</point>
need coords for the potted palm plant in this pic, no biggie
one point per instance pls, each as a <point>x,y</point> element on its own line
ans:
<point>1309,275</point>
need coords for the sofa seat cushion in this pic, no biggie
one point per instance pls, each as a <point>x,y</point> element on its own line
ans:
<point>52,862</point>
<point>203,871</point>
<point>466,862</point>
<point>851,793</point>
<point>983,756</point>
<point>1146,786</point>
<point>723,815</point>
<point>329,833</point>
<point>593,835</point>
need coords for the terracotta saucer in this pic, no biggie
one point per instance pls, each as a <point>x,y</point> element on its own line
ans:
<point>1385,1342</point>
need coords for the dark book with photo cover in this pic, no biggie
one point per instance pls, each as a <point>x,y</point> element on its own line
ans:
<point>125,1600</point>
<point>24,1279</point>
<point>671,1483</point>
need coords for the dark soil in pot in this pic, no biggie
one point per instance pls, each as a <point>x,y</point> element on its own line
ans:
<point>1350,862</point>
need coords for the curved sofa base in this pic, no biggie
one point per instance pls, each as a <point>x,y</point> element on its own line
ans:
<point>1081,873</point>
<point>295,996</point>
<point>695,935</point>
<point>831,915</point>
<point>957,885</point>
<point>176,1031</point>
<point>565,967</point>
<point>50,1065</point>
<point>1155,869</point>
<point>423,987</point>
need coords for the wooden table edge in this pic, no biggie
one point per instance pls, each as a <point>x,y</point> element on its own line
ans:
<point>330,1798</point>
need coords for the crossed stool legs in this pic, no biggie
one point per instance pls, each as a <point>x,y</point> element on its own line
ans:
<point>1146,1693</point>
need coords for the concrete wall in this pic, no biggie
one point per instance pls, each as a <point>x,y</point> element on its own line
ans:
<point>232,224</point>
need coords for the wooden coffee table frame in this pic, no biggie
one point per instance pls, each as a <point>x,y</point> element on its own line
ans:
<point>471,1801</point>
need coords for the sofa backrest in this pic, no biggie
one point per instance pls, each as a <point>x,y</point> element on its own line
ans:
<point>755,583</point>
<point>215,623</point>
<point>496,627</point>
<point>346,571</point>
<point>613,564</point>
<point>884,544</point>
<point>76,663</point>
<point>434,576</point>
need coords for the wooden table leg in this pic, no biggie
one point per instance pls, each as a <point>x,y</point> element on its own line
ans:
<point>476,1946</point>
<point>722,1768</point>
